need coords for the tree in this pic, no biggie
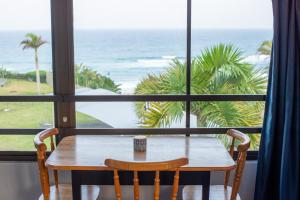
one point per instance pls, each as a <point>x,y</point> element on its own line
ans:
<point>34,42</point>
<point>86,77</point>
<point>265,48</point>
<point>218,70</point>
<point>4,73</point>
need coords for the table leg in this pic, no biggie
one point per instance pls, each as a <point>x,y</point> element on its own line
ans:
<point>206,188</point>
<point>76,185</point>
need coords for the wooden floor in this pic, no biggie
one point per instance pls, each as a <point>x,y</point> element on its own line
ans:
<point>64,192</point>
<point>217,192</point>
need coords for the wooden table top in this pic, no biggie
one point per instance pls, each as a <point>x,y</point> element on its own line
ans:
<point>88,152</point>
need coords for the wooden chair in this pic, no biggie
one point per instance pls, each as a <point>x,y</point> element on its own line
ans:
<point>218,192</point>
<point>59,191</point>
<point>146,166</point>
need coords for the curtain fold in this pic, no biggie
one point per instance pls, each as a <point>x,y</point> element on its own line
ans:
<point>278,172</point>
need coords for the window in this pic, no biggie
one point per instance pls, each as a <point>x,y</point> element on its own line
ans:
<point>158,67</point>
<point>25,48</point>
<point>137,43</point>
<point>26,74</point>
<point>230,58</point>
<point>132,114</point>
<point>227,56</point>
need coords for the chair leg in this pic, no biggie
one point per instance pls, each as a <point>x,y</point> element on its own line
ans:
<point>237,177</point>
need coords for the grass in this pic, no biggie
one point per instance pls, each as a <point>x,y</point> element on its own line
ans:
<point>33,115</point>
<point>16,143</point>
<point>25,115</point>
<point>23,87</point>
<point>25,142</point>
<point>29,115</point>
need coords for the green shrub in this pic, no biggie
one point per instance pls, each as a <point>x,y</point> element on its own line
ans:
<point>32,76</point>
<point>87,77</point>
<point>29,76</point>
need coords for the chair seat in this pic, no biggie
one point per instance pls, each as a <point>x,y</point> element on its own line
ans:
<point>64,192</point>
<point>217,192</point>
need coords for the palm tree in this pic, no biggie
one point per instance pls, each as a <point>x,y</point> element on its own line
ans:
<point>78,69</point>
<point>265,48</point>
<point>218,70</point>
<point>34,42</point>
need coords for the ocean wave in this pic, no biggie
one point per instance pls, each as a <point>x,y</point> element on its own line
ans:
<point>164,61</point>
<point>169,57</point>
<point>257,59</point>
<point>153,62</point>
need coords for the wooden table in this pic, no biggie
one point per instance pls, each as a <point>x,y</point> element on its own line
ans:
<point>84,155</point>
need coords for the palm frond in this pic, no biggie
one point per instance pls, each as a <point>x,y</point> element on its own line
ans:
<point>265,48</point>
<point>162,114</point>
<point>32,41</point>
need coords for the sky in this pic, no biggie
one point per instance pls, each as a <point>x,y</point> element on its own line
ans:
<point>140,14</point>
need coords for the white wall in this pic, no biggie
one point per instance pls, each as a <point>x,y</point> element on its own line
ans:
<point>19,181</point>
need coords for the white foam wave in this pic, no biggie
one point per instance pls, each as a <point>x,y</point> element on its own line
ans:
<point>154,62</point>
<point>163,62</point>
<point>257,59</point>
<point>169,57</point>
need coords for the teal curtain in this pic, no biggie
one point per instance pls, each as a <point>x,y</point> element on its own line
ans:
<point>278,175</point>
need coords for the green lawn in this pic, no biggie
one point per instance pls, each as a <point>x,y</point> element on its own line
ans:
<point>25,142</point>
<point>16,143</point>
<point>22,87</point>
<point>26,115</point>
<point>29,115</point>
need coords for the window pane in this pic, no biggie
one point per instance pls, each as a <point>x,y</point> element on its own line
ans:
<point>229,114</point>
<point>19,143</point>
<point>26,115</point>
<point>228,48</point>
<point>131,115</point>
<point>25,48</point>
<point>124,46</point>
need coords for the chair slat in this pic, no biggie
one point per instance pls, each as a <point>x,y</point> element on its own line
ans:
<point>136,185</point>
<point>156,186</point>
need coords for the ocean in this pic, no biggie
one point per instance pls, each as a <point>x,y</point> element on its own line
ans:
<point>127,56</point>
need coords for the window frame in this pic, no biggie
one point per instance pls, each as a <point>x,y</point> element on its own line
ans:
<point>64,97</point>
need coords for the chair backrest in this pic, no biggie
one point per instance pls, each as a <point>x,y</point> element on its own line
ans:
<point>42,157</point>
<point>242,148</point>
<point>146,166</point>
